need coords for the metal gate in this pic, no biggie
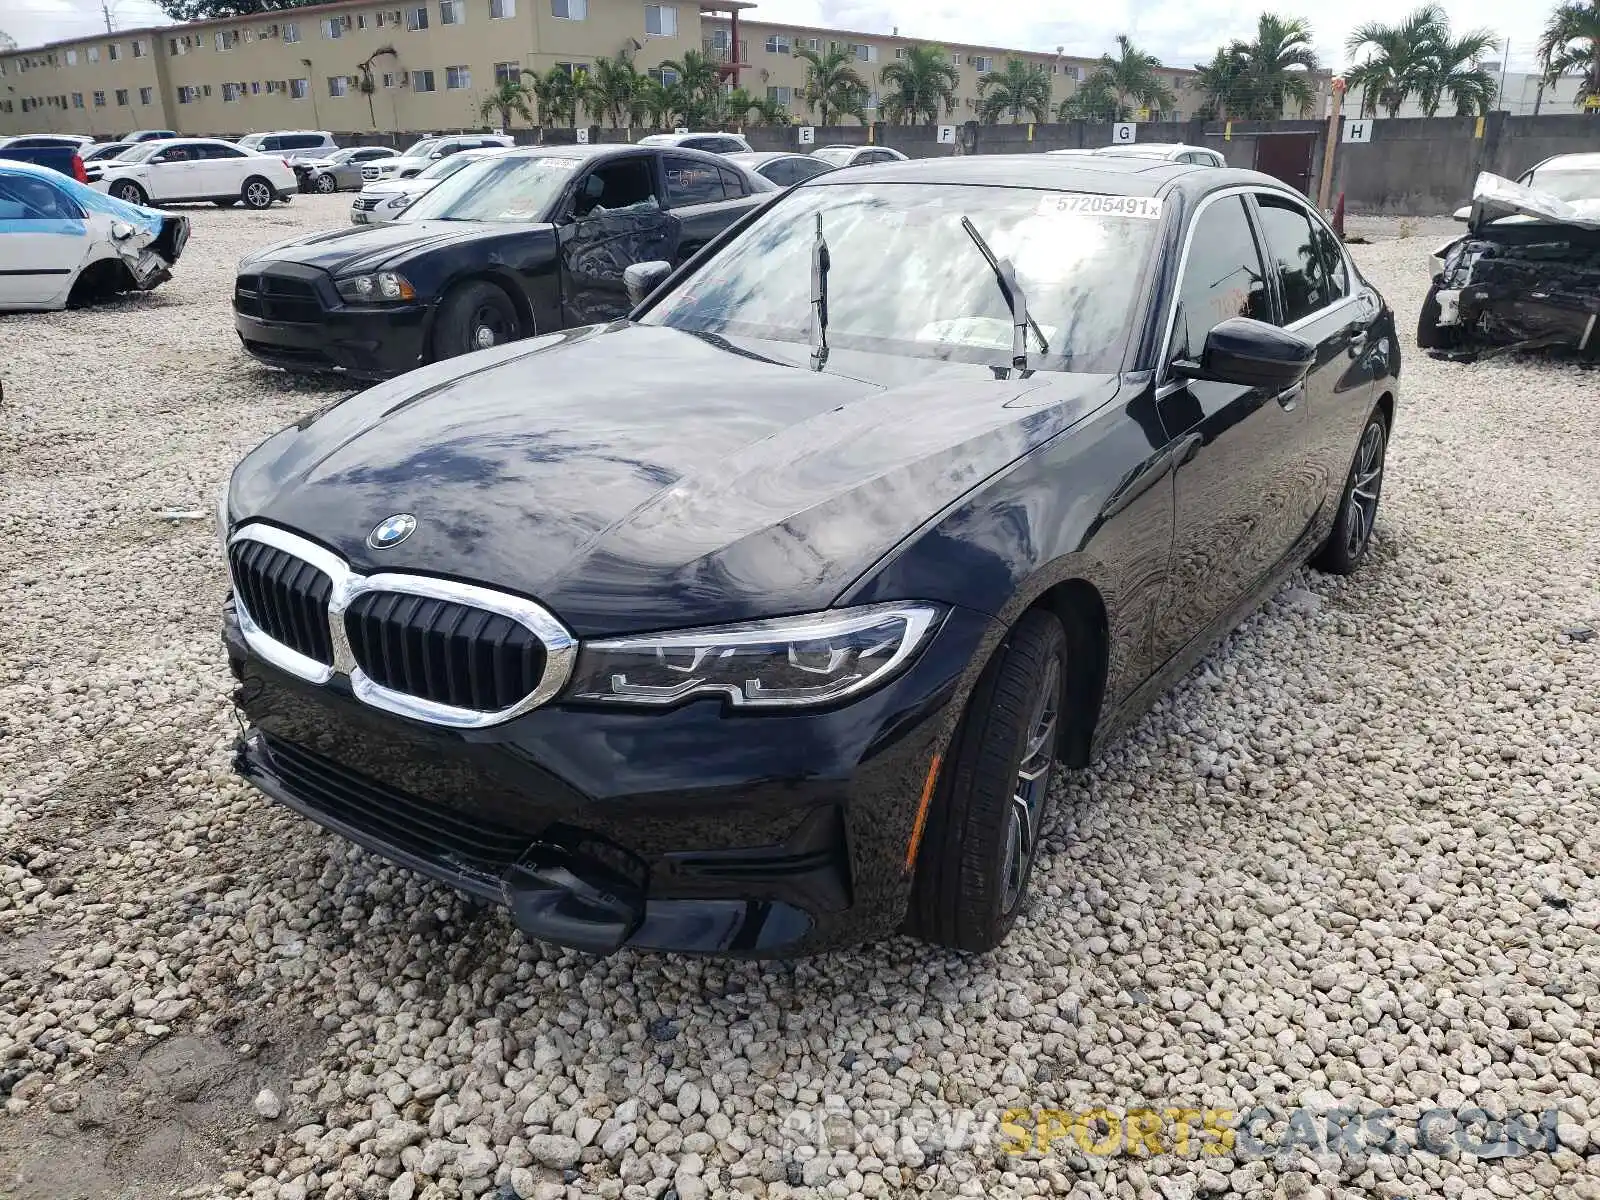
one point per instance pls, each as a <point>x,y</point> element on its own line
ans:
<point>1287,156</point>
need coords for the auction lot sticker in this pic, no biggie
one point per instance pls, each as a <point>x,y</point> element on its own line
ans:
<point>1146,208</point>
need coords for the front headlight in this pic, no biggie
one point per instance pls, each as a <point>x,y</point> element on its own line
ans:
<point>790,662</point>
<point>376,288</point>
<point>398,202</point>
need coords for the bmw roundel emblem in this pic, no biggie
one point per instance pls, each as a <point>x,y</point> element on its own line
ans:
<point>391,531</point>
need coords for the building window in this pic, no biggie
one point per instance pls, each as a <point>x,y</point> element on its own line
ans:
<point>452,12</point>
<point>147,95</point>
<point>255,87</point>
<point>77,99</point>
<point>507,72</point>
<point>457,78</point>
<point>665,76</point>
<point>92,53</point>
<point>72,58</point>
<point>139,48</point>
<point>390,80</point>
<point>982,64</point>
<point>99,99</point>
<point>422,81</point>
<point>299,89</point>
<point>780,95</point>
<point>416,18</point>
<point>230,93</point>
<point>660,20</point>
<point>338,85</point>
<point>500,10</point>
<point>778,43</point>
<point>361,20</point>
<point>332,28</point>
<point>291,32</point>
<point>865,53</point>
<point>113,52</point>
<point>188,95</point>
<point>122,97</point>
<point>719,39</point>
<point>569,10</point>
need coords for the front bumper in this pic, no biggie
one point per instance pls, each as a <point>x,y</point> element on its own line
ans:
<point>683,831</point>
<point>313,330</point>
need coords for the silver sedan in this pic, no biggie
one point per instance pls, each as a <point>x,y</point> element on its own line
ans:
<point>339,171</point>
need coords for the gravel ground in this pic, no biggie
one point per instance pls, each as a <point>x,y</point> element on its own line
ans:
<point>1347,864</point>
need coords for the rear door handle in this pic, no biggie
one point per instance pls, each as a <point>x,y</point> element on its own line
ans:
<point>1290,397</point>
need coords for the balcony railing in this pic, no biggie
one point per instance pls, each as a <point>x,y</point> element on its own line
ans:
<point>720,55</point>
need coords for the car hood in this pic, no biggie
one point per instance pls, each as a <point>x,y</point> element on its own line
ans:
<point>632,477</point>
<point>398,187</point>
<point>1495,199</point>
<point>374,247</point>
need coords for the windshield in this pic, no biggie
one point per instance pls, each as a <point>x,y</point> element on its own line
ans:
<point>837,155</point>
<point>420,149</point>
<point>139,153</point>
<point>1567,185</point>
<point>905,277</point>
<point>447,167</point>
<point>251,141</point>
<point>521,188</point>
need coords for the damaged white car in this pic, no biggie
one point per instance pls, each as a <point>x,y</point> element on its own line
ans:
<point>1527,273</point>
<point>62,243</point>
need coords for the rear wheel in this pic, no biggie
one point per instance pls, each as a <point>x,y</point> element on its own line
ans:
<point>257,193</point>
<point>129,192</point>
<point>985,819</point>
<point>476,315</point>
<point>1358,508</point>
<point>324,184</point>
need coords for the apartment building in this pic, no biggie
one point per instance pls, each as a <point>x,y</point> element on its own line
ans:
<point>431,64</point>
<point>769,66</point>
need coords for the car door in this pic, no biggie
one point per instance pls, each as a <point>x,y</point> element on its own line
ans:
<point>220,170</point>
<point>174,173</point>
<point>615,219</point>
<point>43,239</point>
<point>1315,300</point>
<point>1240,478</point>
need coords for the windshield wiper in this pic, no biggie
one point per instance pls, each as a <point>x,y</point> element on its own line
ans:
<point>1006,276</point>
<point>819,299</point>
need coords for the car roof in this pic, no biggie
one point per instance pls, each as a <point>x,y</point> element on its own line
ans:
<point>1586,161</point>
<point>756,158</point>
<point>266,133</point>
<point>1100,174</point>
<point>18,167</point>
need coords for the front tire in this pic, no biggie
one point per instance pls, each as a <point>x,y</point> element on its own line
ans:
<point>257,193</point>
<point>989,806</point>
<point>1347,544</point>
<point>325,185</point>
<point>476,315</point>
<point>129,192</point>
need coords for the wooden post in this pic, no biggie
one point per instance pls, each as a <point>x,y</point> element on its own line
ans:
<point>1325,187</point>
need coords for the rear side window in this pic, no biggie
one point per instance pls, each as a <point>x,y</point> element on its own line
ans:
<point>1222,277</point>
<point>1296,257</point>
<point>224,152</point>
<point>690,181</point>
<point>781,171</point>
<point>271,143</point>
<point>1332,260</point>
<point>301,141</point>
<point>732,184</point>
<point>26,199</point>
<point>805,168</point>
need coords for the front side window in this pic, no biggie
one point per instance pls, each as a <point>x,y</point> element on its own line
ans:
<point>905,278</point>
<point>1302,274</point>
<point>617,185</point>
<point>1222,277</point>
<point>23,198</point>
<point>521,188</point>
<point>661,20</point>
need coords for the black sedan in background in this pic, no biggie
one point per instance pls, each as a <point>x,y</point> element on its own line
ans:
<point>756,622</point>
<point>523,243</point>
<point>781,167</point>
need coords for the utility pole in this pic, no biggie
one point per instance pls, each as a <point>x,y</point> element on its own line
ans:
<point>105,10</point>
<point>1504,63</point>
<point>1325,187</point>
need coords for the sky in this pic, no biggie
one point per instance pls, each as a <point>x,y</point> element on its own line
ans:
<point>1179,32</point>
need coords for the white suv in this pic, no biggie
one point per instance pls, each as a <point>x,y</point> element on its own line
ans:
<point>197,169</point>
<point>711,143</point>
<point>291,144</point>
<point>419,156</point>
<point>386,199</point>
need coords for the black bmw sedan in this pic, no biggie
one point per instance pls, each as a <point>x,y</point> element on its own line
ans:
<point>758,621</point>
<point>515,244</point>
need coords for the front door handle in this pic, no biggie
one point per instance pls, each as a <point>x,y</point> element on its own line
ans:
<point>1290,397</point>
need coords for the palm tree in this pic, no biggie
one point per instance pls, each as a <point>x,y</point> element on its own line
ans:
<point>1021,87</point>
<point>511,96</point>
<point>701,85</point>
<point>1571,46</point>
<point>922,84</point>
<point>1222,82</point>
<point>365,84</point>
<point>1130,78</point>
<point>832,84</point>
<point>1094,100</point>
<point>1275,69</point>
<point>1399,59</point>
<point>660,102</point>
<point>770,112</point>
<point>1456,70</point>
<point>613,86</point>
<point>559,93</point>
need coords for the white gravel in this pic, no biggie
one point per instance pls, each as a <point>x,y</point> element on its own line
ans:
<point>1349,862</point>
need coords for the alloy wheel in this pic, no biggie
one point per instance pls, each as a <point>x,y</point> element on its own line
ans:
<point>1364,489</point>
<point>258,194</point>
<point>326,184</point>
<point>489,328</point>
<point>128,193</point>
<point>1030,790</point>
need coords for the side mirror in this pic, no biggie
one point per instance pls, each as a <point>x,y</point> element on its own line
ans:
<point>643,278</point>
<point>1463,213</point>
<point>1251,354</point>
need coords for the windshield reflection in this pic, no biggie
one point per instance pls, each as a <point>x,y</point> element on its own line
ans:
<point>521,188</point>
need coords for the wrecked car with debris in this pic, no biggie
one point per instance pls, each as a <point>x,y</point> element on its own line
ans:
<point>63,244</point>
<point>1526,275</point>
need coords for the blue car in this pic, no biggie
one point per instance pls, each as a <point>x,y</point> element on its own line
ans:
<point>65,244</point>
